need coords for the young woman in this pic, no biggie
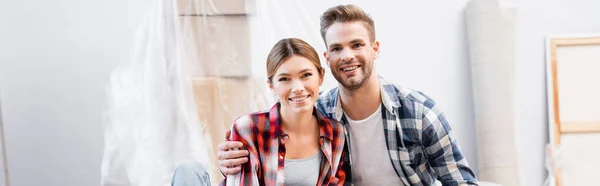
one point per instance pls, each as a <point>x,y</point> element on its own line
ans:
<point>292,143</point>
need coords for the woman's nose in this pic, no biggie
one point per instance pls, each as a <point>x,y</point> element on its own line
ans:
<point>297,86</point>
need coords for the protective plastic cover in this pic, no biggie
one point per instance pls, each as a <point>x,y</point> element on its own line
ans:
<point>196,66</point>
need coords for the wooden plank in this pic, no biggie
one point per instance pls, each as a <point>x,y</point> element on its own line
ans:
<point>580,127</point>
<point>555,92</point>
<point>577,41</point>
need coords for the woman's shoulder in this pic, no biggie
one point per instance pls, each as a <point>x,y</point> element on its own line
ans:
<point>251,120</point>
<point>336,126</point>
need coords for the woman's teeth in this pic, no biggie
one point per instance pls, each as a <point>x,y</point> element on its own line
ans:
<point>299,98</point>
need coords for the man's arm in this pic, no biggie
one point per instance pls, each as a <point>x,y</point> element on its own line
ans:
<point>443,152</point>
<point>230,161</point>
<point>248,174</point>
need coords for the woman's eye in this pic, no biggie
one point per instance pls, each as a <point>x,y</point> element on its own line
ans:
<point>306,75</point>
<point>283,79</point>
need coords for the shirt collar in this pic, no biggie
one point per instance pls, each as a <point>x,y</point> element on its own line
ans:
<point>325,128</point>
<point>387,91</point>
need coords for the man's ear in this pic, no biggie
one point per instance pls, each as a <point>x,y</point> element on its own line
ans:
<point>376,49</point>
<point>322,76</point>
<point>325,56</point>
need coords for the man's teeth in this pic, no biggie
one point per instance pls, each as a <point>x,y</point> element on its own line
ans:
<point>350,68</point>
<point>299,99</point>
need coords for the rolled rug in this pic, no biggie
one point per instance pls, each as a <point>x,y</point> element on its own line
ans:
<point>491,40</point>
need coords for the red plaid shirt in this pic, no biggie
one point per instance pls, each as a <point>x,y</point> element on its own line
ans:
<point>262,133</point>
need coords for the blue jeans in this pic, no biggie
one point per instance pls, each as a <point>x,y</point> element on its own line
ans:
<point>190,173</point>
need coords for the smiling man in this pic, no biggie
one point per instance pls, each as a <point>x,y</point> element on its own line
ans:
<point>395,135</point>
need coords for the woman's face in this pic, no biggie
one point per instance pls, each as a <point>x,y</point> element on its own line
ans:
<point>296,83</point>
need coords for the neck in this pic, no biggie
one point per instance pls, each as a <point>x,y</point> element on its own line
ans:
<point>299,122</point>
<point>360,103</point>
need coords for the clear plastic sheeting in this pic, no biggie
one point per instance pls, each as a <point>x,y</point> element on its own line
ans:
<point>150,121</point>
<point>189,77</point>
<point>196,66</point>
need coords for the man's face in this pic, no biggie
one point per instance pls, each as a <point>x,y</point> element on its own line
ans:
<point>350,53</point>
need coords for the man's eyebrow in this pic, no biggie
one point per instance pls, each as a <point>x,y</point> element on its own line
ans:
<point>352,41</point>
<point>357,41</point>
<point>334,45</point>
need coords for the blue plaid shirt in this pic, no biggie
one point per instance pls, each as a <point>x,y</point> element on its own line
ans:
<point>419,139</point>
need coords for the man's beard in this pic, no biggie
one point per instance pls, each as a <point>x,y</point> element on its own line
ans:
<point>355,85</point>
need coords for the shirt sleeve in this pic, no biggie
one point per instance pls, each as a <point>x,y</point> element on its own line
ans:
<point>443,151</point>
<point>341,172</point>
<point>249,174</point>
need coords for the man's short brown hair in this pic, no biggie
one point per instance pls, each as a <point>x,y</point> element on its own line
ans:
<point>346,13</point>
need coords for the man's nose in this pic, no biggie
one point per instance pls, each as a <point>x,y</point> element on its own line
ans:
<point>347,55</point>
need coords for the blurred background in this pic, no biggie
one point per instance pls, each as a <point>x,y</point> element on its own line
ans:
<point>67,67</point>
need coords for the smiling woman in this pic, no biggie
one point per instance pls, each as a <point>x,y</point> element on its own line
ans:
<point>291,143</point>
<point>295,73</point>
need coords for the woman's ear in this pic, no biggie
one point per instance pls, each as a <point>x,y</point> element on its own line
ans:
<point>270,85</point>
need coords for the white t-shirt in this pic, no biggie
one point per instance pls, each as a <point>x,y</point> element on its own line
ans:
<point>371,164</point>
<point>303,171</point>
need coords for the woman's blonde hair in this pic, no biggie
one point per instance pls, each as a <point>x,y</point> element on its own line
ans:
<point>288,47</point>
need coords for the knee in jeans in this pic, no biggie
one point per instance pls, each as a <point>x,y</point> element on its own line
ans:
<point>191,166</point>
<point>191,173</point>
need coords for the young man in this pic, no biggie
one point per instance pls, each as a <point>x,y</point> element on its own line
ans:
<point>395,135</point>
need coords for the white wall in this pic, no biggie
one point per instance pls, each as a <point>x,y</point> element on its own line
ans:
<point>434,37</point>
<point>55,59</point>
<point>537,19</point>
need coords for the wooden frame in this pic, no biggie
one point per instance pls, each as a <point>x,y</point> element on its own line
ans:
<point>558,127</point>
